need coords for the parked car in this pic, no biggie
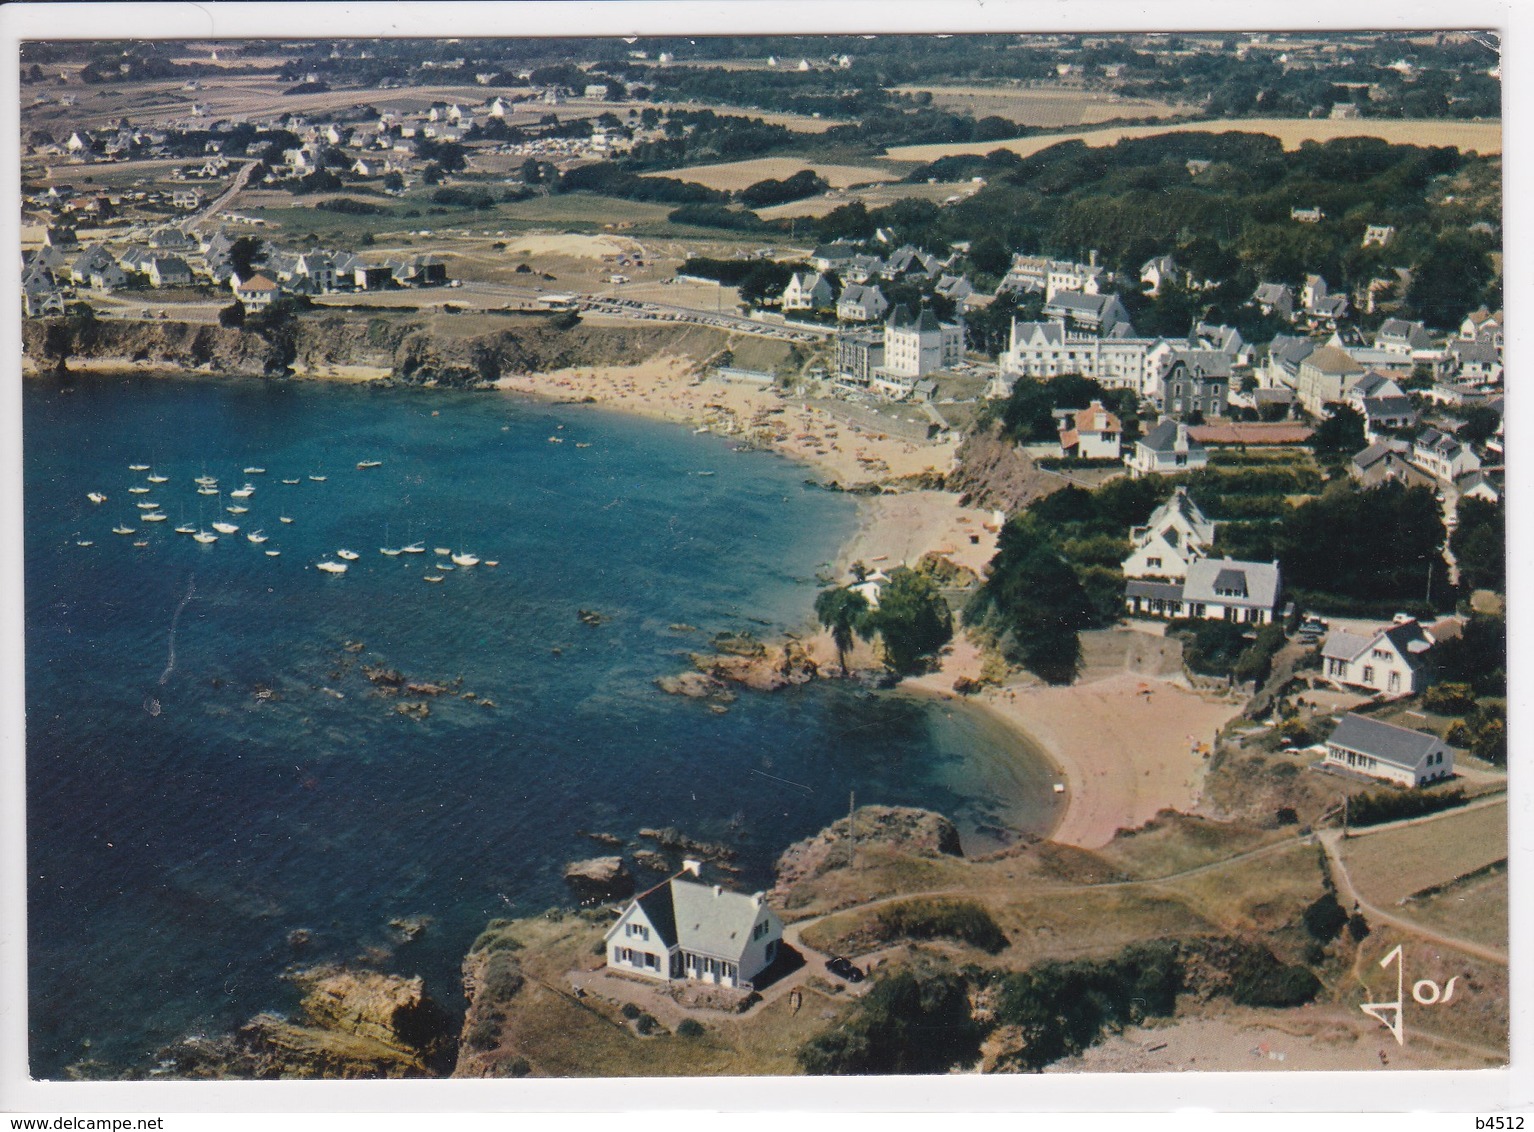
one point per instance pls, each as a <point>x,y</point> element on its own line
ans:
<point>843,968</point>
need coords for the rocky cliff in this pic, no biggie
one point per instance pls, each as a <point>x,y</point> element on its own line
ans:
<point>456,350</point>
<point>900,829</point>
<point>995,472</point>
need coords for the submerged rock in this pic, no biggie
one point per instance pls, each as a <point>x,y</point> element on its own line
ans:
<point>599,878</point>
<point>672,838</point>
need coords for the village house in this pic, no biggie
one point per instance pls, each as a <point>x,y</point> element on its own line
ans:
<point>861,303</point>
<point>1155,272</point>
<point>1274,298</point>
<point>1101,313</point>
<point>1092,433</point>
<point>1382,403</point>
<point>1388,460</point>
<point>831,257</point>
<point>1307,215</point>
<point>685,930</point>
<point>1175,536</point>
<point>918,344</point>
<point>1385,751</point>
<point>1285,353</point>
<point>1324,379</point>
<point>1391,660</point>
<point>1398,336</point>
<point>806,291</point>
<point>257,292</point>
<point>1442,456</point>
<point>1379,234</point>
<point>1481,484</point>
<point>168,271</point>
<point>1167,449</point>
<point>1215,589</point>
<point>1482,326</point>
<point>859,353</point>
<point>1197,382</point>
<point>1477,361</point>
<point>1319,307</point>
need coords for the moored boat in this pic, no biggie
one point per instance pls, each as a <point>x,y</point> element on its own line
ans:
<point>256,537</point>
<point>465,559</point>
<point>413,548</point>
<point>255,471</point>
<point>138,491</point>
<point>283,519</point>
<point>120,530</point>
<point>138,467</point>
<point>332,567</point>
<point>204,537</point>
<point>154,477</point>
<point>95,497</point>
<point>349,555</point>
<point>226,528</point>
<point>154,517</point>
<point>369,463</point>
<point>431,577</point>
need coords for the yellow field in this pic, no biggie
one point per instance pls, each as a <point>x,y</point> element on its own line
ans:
<point>1472,137</point>
<point>1051,108</point>
<point>740,174</point>
<point>1398,862</point>
<point>876,196</point>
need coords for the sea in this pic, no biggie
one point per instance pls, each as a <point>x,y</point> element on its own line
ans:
<point>209,770</point>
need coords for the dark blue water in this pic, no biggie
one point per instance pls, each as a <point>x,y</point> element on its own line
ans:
<point>208,769</point>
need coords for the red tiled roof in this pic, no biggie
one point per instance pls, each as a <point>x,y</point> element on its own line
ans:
<point>1251,433</point>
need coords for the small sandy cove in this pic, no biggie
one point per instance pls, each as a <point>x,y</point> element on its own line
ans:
<point>1127,746</point>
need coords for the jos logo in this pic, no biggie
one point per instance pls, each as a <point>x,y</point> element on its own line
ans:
<point>1424,991</point>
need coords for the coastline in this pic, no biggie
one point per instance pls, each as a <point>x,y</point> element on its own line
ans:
<point>1125,746</point>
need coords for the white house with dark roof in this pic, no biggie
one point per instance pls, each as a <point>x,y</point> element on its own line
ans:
<point>1166,449</point>
<point>1382,403</point>
<point>1285,354</point>
<point>807,291</point>
<point>1392,660</point>
<point>686,930</point>
<point>861,303</point>
<point>1325,377</point>
<point>1383,750</point>
<point>1175,536</point>
<point>1442,456</point>
<point>1274,298</point>
<point>1094,312</point>
<point>1048,349</point>
<point>1480,360</point>
<point>1398,336</point>
<point>1215,589</point>
<point>917,344</point>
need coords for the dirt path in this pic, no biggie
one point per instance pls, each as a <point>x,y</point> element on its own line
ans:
<point>1331,840</point>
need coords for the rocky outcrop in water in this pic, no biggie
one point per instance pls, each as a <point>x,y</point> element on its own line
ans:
<point>599,878</point>
<point>356,1025</point>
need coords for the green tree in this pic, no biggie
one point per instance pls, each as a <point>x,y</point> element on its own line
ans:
<point>844,611</point>
<point>233,315</point>
<point>1479,544</point>
<point>912,619</point>
<point>1034,602</point>
<point>908,1023</point>
<point>1340,434</point>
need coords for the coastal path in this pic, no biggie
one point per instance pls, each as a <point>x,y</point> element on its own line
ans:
<point>1332,839</point>
<point>210,211</point>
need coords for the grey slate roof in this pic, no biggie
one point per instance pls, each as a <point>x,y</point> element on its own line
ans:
<point>712,920</point>
<point>1163,438</point>
<point>1257,583</point>
<point>1167,591</point>
<point>1398,746</point>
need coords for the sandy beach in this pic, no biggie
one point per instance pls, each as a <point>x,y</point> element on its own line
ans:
<point>1126,746</point>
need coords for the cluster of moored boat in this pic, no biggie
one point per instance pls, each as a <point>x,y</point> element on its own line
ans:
<point>150,511</point>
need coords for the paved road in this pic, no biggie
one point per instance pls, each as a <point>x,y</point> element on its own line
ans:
<point>212,210</point>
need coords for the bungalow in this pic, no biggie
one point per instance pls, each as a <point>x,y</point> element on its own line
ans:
<point>1167,449</point>
<point>258,291</point>
<point>1391,660</point>
<point>1444,457</point>
<point>1092,433</point>
<point>1175,535</point>
<point>807,291</point>
<point>1216,589</point>
<point>684,930</point>
<point>1383,750</point>
<point>831,257</point>
<point>861,303</point>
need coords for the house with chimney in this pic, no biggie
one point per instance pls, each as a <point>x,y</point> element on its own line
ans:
<point>1175,536</point>
<point>1386,751</point>
<point>1215,589</point>
<point>1092,433</point>
<point>1166,449</point>
<point>1392,660</point>
<point>684,930</point>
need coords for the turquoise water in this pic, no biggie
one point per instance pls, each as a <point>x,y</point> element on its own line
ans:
<point>209,770</point>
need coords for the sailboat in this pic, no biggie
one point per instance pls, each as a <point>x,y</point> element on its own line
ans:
<point>255,471</point>
<point>155,477</point>
<point>154,517</point>
<point>332,567</point>
<point>431,577</point>
<point>226,528</point>
<point>146,505</point>
<point>465,559</point>
<point>121,530</point>
<point>138,467</point>
<point>95,497</point>
<point>413,548</point>
<point>369,463</point>
<point>443,551</point>
<point>183,529</point>
<point>138,491</point>
<point>204,537</point>
<point>242,492</point>
<point>318,479</point>
<point>349,555</point>
<point>207,489</point>
<point>290,482</point>
<point>206,480</point>
<point>236,510</point>
<point>283,519</point>
<point>256,537</point>
<point>273,553</point>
